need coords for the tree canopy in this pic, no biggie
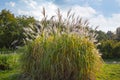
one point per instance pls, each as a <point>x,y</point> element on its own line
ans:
<point>12,28</point>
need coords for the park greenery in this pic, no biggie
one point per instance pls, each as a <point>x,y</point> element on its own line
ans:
<point>56,49</point>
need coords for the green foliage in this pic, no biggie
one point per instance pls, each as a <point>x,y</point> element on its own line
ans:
<point>118,33</point>
<point>4,62</point>
<point>107,36</point>
<point>106,48</point>
<point>12,60</point>
<point>102,36</point>
<point>7,28</point>
<point>24,23</point>
<point>111,35</point>
<point>110,71</point>
<point>110,49</point>
<point>116,51</point>
<point>8,61</point>
<point>10,74</point>
<point>12,29</point>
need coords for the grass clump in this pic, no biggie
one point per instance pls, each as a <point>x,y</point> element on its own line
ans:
<point>63,50</point>
<point>65,57</point>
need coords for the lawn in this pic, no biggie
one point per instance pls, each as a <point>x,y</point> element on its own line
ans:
<point>110,71</point>
<point>9,74</point>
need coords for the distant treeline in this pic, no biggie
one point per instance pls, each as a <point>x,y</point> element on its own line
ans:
<point>109,43</point>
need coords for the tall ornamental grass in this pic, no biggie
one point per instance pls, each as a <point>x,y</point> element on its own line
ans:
<point>65,57</point>
<point>61,52</point>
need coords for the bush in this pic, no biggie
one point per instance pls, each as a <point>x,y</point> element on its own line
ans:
<point>110,49</point>
<point>65,57</point>
<point>116,51</point>
<point>8,61</point>
<point>4,62</point>
<point>106,48</point>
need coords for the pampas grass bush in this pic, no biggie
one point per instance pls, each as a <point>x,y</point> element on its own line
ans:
<point>62,53</point>
<point>65,57</point>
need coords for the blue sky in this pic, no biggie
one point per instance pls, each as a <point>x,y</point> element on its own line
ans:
<point>102,13</point>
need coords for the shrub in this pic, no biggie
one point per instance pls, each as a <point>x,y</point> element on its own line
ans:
<point>8,61</point>
<point>116,51</point>
<point>3,62</point>
<point>106,48</point>
<point>110,49</point>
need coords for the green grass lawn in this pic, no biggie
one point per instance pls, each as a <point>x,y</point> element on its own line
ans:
<point>9,74</point>
<point>110,71</point>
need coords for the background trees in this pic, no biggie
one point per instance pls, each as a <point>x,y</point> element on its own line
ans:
<point>118,33</point>
<point>110,43</point>
<point>12,29</point>
<point>101,35</point>
<point>23,23</point>
<point>8,28</point>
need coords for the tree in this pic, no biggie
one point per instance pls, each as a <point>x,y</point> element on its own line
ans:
<point>8,31</point>
<point>12,29</point>
<point>116,51</point>
<point>24,26</point>
<point>107,48</point>
<point>111,35</point>
<point>101,35</point>
<point>118,33</point>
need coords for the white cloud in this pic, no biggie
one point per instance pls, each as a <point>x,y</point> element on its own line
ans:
<point>86,2</point>
<point>51,8</point>
<point>36,9</point>
<point>12,4</point>
<point>31,3</point>
<point>95,18</point>
<point>105,24</point>
<point>86,12</point>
